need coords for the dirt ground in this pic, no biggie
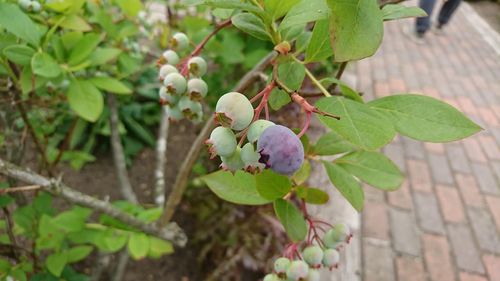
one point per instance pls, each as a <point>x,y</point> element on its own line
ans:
<point>489,10</point>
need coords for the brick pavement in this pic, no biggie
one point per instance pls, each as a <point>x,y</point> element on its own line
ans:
<point>444,223</point>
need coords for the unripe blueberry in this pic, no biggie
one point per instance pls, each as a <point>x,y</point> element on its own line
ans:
<point>180,41</point>
<point>280,149</point>
<point>233,162</point>
<point>338,234</point>
<point>331,258</point>
<point>297,271</point>
<point>222,142</point>
<point>188,107</point>
<point>175,83</point>
<point>165,70</point>
<point>174,113</point>
<point>166,98</point>
<point>197,66</point>
<point>170,57</point>
<point>251,158</point>
<point>234,110</point>
<point>24,4</point>
<point>313,255</point>
<point>313,275</point>
<point>35,6</point>
<point>197,89</point>
<point>271,277</point>
<point>256,129</point>
<point>281,265</point>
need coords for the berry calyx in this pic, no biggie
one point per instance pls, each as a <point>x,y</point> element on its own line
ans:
<point>197,89</point>
<point>197,66</point>
<point>280,149</point>
<point>166,98</point>
<point>222,142</point>
<point>176,84</point>
<point>170,57</point>
<point>313,255</point>
<point>256,129</point>
<point>251,159</point>
<point>233,162</point>
<point>331,258</point>
<point>234,110</point>
<point>179,41</point>
<point>297,271</point>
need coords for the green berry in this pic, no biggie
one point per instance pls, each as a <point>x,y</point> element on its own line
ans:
<point>165,70</point>
<point>171,57</point>
<point>337,235</point>
<point>176,84</point>
<point>188,107</point>
<point>197,66</point>
<point>233,162</point>
<point>313,255</point>
<point>222,142</point>
<point>313,275</point>
<point>197,89</point>
<point>271,277</point>
<point>35,6</point>
<point>234,110</point>
<point>174,113</point>
<point>281,265</point>
<point>297,271</point>
<point>24,4</point>
<point>256,129</point>
<point>166,98</point>
<point>251,158</point>
<point>331,258</point>
<point>180,41</point>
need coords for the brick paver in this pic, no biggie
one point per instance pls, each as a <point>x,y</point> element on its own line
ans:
<point>444,223</point>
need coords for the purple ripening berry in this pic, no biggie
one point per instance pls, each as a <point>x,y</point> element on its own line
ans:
<point>280,149</point>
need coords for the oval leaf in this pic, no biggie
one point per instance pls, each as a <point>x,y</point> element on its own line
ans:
<point>158,247</point>
<point>83,48</point>
<point>358,124</point>
<point>332,143</point>
<point>292,74</point>
<point>56,262</point>
<point>303,12</point>
<point>425,118</point>
<point>251,24</point>
<point>319,47</point>
<point>19,54</point>
<point>398,11</point>
<point>85,99</point>
<point>78,253</point>
<point>239,188</point>
<point>312,195</point>
<point>111,85</point>
<point>373,168</point>
<point>346,184</point>
<point>18,23</point>
<point>44,65</point>
<point>292,219</point>
<point>138,245</point>
<point>271,185</point>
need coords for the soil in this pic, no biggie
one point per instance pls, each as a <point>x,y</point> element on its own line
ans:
<point>489,10</point>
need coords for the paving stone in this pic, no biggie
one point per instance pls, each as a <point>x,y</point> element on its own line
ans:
<point>465,276</point>
<point>465,252</point>
<point>440,170</point>
<point>419,175</point>
<point>376,220</point>
<point>458,158</point>
<point>404,232</point>
<point>485,230</point>
<point>402,197</point>
<point>494,206</point>
<point>451,205</point>
<point>378,263</point>
<point>487,181</point>
<point>410,268</point>
<point>413,149</point>
<point>469,190</point>
<point>492,264</point>
<point>396,153</point>
<point>437,258</point>
<point>428,213</point>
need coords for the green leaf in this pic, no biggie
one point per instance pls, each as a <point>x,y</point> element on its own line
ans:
<point>373,168</point>
<point>271,185</point>
<point>356,28</point>
<point>75,22</point>
<point>139,130</point>
<point>78,253</point>
<point>83,48</point>
<point>66,6</point>
<point>103,55</point>
<point>18,23</point>
<point>233,4</point>
<point>358,124</point>
<point>130,7</point>
<point>332,143</point>
<point>5,200</point>
<point>251,24</point>
<point>397,11</point>
<point>44,65</point>
<point>138,245</point>
<point>114,241</point>
<point>292,219</point>
<point>26,80</point>
<point>278,99</point>
<point>279,8</point>
<point>425,118</point>
<point>85,99</point>
<point>304,12</point>
<point>72,220</point>
<point>56,262</point>
<point>19,54</point>
<point>158,247</point>
<point>303,173</point>
<point>312,195</point>
<point>319,47</point>
<point>110,84</point>
<point>346,91</point>
<point>292,74</point>
<point>239,188</point>
<point>346,184</point>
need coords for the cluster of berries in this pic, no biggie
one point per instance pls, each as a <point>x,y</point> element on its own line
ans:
<point>313,257</point>
<point>30,6</point>
<point>269,145</point>
<point>181,96</point>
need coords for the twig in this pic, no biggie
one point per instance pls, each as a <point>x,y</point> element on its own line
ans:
<point>181,181</point>
<point>339,75</point>
<point>10,233</point>
<point>121,265</point>
<point>65,143</point>
<point>118,154</point>
<point>19,189</point>
<point>102,262</point>
<point>172,232</point>
<point>161,159</point>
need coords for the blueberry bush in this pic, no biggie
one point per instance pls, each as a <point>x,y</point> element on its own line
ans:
<point>61,59</point>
